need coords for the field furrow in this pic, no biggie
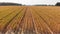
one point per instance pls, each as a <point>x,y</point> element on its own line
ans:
<point>29,20</point>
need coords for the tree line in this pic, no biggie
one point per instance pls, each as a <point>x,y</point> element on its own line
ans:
<point>8,4</point>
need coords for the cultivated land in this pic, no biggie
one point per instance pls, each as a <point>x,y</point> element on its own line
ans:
<point>29,20</point>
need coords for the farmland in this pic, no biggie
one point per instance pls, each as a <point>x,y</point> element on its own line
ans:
<point>29,20</point>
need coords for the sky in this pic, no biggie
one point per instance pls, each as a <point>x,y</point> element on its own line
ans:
<point>32,2</point>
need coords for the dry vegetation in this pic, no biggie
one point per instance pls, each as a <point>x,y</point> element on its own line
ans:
<point>29,20</point>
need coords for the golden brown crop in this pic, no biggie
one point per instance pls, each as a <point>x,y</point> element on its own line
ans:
<point>30,19</point>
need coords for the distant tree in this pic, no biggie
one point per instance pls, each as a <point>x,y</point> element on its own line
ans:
<point>43,5</point>
<point>58,4</point>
